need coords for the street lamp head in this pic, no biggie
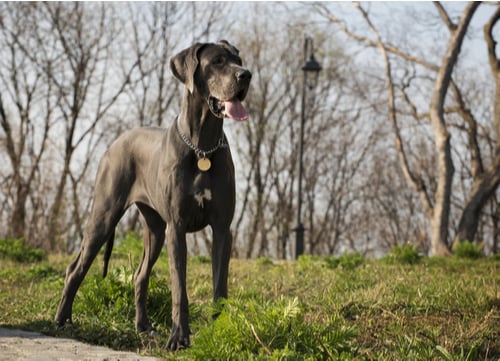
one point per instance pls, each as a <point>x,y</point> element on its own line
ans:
<point>311,71</point>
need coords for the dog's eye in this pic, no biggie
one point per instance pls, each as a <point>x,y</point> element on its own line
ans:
<point>218,60</point>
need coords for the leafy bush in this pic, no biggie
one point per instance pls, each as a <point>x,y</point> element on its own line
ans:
<point>111,300</point>
<point>331,262</point>
<point>307,261</point>
<point>467,249</point>
<point>404,254</point>
<point>272,330</point>
<point>264,261</point>
<point>16,250</point>
<point>43,271</point>
<point>350,261</point>
<point>111,297</point>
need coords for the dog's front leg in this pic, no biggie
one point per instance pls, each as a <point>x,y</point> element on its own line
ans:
<point>221,252</point>
<point>177,252</point>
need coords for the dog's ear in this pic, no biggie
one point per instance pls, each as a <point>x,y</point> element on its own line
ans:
<point>229,47</point>
<point>184,65</point>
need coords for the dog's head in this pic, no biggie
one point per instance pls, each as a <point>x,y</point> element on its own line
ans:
<point>214,71</point>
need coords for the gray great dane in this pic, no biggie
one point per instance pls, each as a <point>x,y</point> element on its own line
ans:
<point>180,178</point>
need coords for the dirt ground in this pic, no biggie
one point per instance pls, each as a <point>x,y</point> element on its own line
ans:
<point>16,345</point>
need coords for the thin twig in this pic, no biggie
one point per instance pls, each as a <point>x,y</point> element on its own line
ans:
<point>259,340</point>
<point>330,356</point>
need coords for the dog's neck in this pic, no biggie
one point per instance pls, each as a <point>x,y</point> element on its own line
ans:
<point>198,122</point>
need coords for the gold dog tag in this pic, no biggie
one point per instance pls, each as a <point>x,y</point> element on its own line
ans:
<point>204,164</point>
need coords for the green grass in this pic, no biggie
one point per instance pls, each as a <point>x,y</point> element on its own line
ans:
<point>334,308</point>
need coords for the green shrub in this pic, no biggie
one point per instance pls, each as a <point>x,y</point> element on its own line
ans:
<point>43,271</point>
<point>331,262</point>
<point>272,330</point>
<point>264,261</point>
<point>111,297</point>
<point>16,250</point>
<point>404,254</point>
<point>111,300</point>
<point>467,249</point>
<point>307,261</point>
<point>350,261</point>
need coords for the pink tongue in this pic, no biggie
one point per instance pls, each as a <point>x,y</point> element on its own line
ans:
<point>235,110</point>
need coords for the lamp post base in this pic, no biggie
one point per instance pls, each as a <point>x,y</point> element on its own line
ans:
<point>299,240</point>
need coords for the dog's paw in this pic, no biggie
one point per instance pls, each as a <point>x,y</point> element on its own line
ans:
<point>147,330</point>
<point>64,324</point>
<point>178,339</point>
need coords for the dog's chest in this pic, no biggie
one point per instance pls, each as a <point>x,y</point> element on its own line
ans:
<point>195,198</point>
<point>197,202</point>
<point>202,196</point>
<point>201,189</point>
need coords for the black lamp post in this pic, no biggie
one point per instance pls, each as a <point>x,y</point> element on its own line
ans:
<point>311,70</point>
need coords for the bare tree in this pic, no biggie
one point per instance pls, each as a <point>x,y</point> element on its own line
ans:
<point>26,103</point>
<point>271,105</point>
<point>64,55</point>
<point>84,38</point>
<point>441,211</point>
<point>486,181</point>
<point>437,206</point>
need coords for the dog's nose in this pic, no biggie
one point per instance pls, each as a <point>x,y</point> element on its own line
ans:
<point>243,74</point>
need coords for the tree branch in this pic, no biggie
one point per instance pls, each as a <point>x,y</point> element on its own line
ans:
<point>476,162</point>
<point>450,58</point>
<point>495,69</point>
<point>444,15</point>
<point>11,149</point>
<point>323,10</point>
<point>415,182</point>
<point>491,42</point>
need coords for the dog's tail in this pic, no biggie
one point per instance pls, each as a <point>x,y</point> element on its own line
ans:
<point>107,254</point>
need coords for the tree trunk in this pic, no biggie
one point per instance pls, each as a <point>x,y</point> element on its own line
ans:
<point>441,212</point>
<point>17,221</point>
<point>481,193</point>
<point>17,226</point>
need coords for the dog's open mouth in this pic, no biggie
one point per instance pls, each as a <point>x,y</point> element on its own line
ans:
<point>229,108</point>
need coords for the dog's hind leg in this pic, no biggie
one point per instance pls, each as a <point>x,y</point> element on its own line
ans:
<point>109,206</point>
<point>97,233</point>
<point>154,239</point>
<point>107,254</point>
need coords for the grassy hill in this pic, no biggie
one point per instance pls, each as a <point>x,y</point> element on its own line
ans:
<point>346,308</point>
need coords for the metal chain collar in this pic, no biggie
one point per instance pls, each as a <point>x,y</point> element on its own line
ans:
<point>200,152</point>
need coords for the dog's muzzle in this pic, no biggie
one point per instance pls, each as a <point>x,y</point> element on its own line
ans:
<point>232,108</point>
